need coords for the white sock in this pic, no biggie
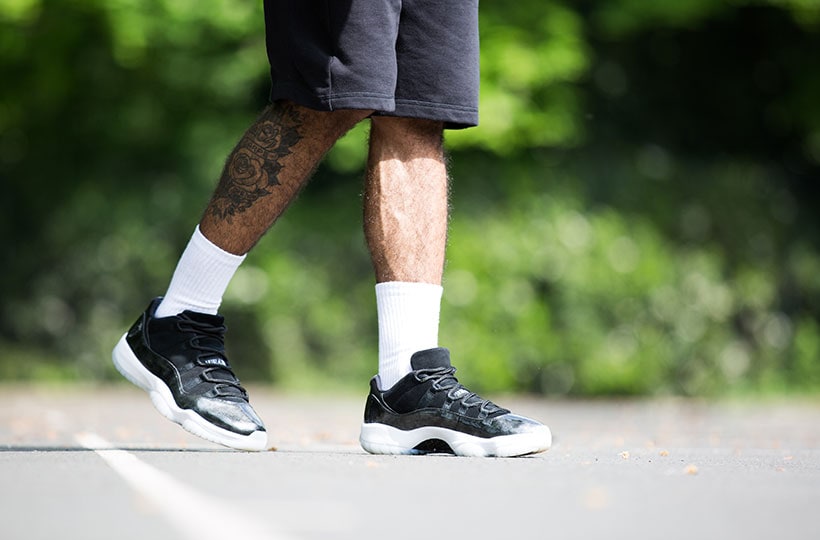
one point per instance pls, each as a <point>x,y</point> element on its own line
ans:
<point>200,279</point>
<point>408,323</point>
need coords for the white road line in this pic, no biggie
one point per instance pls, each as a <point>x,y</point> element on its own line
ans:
<point>196,515</point>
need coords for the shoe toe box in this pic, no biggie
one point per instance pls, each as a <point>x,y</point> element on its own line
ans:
<point>236,416</point>
<point>510,423</point>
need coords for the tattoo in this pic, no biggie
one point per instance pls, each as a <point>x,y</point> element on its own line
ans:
<point>252,169</point>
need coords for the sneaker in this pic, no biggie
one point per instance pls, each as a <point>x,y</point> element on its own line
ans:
<point>180,361</point>
<point>429,411</point>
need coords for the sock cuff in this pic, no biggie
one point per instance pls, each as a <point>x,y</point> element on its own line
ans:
<point>408,288</point>
<point>201,242</point>
<point>200,279</point>
<point>408,322</point>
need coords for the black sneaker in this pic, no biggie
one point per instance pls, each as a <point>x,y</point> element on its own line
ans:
<point>180,361</point>
<point>429,411</point>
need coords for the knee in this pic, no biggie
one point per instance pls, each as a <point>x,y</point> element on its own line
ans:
<point>406,131</point>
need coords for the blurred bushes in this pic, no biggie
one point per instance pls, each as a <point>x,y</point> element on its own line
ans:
<point>589,299</point>
<point>635,215</point>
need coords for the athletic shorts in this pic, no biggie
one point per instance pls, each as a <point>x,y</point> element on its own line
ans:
<point>409,58</point>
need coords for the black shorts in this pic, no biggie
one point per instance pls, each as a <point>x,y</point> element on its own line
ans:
<point>412,58</point>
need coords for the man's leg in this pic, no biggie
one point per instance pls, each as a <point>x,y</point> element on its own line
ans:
<point>266,170</point>
<point>405,207</point>
<point>175,350</point>
<point>405,222</point>
<point>416,405</point>
<point>262,176</point>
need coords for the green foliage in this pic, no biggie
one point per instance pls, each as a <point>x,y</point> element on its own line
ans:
<point>589,300</point>
<point>529,61</point>
<point>636,213</point>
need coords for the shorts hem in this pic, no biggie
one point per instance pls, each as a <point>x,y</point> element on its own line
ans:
<point>332,102</point>
<point>454,116</point>
<point>356,100</point>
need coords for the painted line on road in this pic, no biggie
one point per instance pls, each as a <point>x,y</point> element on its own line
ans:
<point>194,514</point>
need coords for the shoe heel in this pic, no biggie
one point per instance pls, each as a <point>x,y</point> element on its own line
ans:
<point>380,439</point>
<point>127,364</point>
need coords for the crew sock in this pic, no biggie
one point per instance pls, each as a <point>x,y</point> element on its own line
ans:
<point>408,322</point>
<point>200,278</point>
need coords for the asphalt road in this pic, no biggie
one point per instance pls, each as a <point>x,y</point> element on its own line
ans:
<point>99,462</point>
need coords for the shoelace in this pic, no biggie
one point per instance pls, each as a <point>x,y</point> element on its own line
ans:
<point>445,380</point>
<point>209,340</point>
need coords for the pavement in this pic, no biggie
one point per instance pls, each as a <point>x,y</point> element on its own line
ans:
<point>91,462</point>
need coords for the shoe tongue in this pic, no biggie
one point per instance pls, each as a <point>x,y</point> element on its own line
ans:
<point>430,359</point>
<point>209,339</point>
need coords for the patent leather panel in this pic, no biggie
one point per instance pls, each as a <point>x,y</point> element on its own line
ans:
<point>233,416</point>
<point>376,411</point>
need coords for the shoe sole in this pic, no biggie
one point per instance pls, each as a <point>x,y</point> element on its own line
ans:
<point>383,439</point>
<point>132,369</point>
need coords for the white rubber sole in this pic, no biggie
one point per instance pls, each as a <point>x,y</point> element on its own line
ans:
<point>383,439</point>
<point>132,369</point>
